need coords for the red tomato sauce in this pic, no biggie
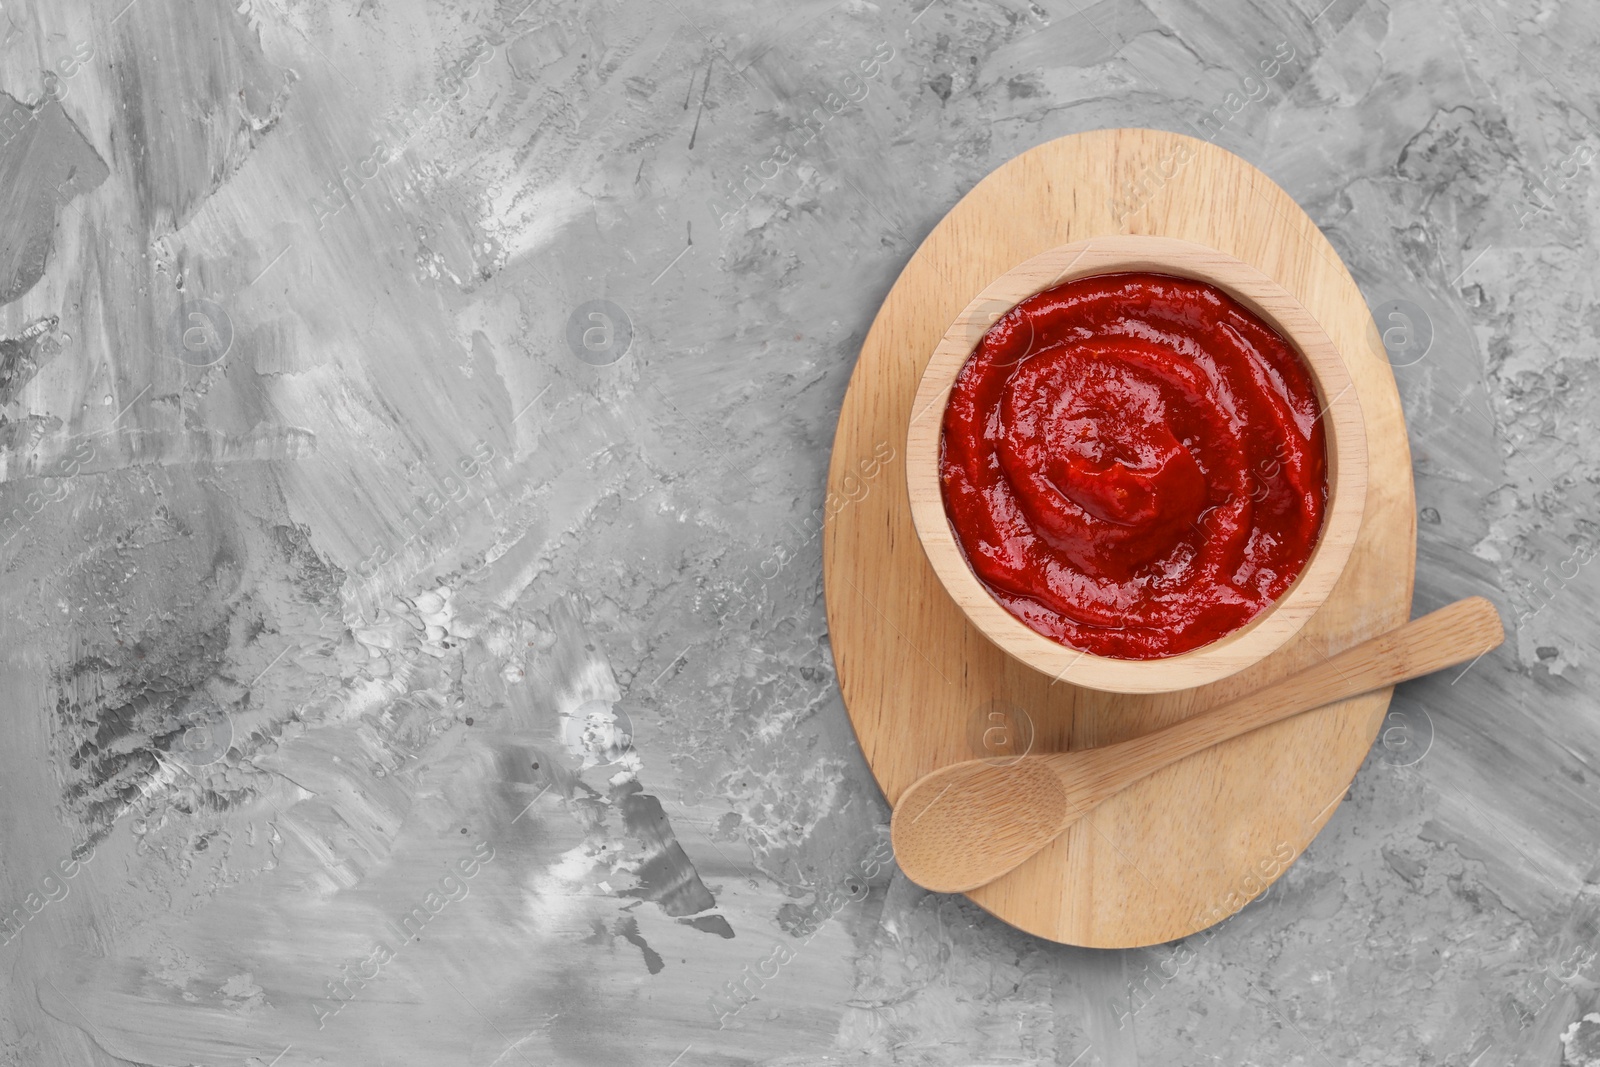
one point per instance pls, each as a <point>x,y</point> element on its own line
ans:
<point>1134,464</point>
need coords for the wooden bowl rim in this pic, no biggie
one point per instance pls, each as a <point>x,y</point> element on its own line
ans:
<point>1346,453</point>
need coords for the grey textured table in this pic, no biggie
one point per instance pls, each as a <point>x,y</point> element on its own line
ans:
<point>413,423</point>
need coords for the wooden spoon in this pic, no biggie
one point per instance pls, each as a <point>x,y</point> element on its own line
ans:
<point>967,824</point>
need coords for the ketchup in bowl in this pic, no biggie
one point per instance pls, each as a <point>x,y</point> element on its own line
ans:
<point>1134,464</point>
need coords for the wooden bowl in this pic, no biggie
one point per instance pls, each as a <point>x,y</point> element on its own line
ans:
<point>1346,456</point>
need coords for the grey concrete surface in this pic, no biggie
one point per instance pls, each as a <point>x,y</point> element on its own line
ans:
<point>413,417</point>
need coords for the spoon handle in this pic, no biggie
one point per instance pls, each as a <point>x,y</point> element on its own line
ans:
<point>1454,634</point>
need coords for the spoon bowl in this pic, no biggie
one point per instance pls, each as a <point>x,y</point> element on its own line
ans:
<point>974,821</point>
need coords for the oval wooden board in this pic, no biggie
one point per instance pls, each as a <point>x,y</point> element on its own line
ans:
<point>1193,843</point>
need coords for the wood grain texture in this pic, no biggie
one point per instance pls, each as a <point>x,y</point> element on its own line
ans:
<point>969,823</point>
<point>1193,842</point>
<point>1346,454</point>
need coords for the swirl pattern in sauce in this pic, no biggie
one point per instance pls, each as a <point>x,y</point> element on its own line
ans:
<point>1134,464</point>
